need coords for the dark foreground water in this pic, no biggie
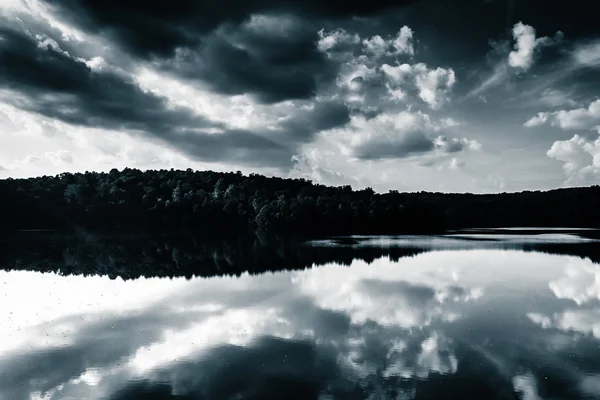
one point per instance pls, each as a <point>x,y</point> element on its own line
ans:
<point>478,315</point>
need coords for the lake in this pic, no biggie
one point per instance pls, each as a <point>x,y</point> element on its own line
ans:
<point>480,314</point>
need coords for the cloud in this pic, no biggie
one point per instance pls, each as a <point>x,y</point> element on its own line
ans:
<point>337,40</point>
<point>522,56</point>
<point>272,57</point>
<point>309,120</point>
<point>307,166</point>
<point>402,44</point>
<point>455,145</point>
<point>31,159</point>
<point>159,29</point>
<point>48,82</point>
<point>249,86</point>
<point>455,163</point>
<point>580,157</point>
<point>92,149</point>
<point>587,54</point>
<point>251,92</point>
<point>59,157</point>
<point>556,98</point>
<point>433,85</point>
<point>499,74</point>
<point>540,119</point>
<point>400,135</point>
<point>509,64</point>
<point>574,119</point>
<point>374,74</point>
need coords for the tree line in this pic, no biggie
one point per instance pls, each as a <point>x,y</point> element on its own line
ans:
<point>231,203</point>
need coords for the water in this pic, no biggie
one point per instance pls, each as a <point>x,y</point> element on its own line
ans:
<point>462,318</point>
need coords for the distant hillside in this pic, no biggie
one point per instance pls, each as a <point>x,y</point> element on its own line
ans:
<point>211,202</point>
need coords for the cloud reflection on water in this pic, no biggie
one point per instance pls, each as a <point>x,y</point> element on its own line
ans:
<point>470,324</point>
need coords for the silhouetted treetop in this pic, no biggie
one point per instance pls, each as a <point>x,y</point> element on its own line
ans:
<point>167,200</point>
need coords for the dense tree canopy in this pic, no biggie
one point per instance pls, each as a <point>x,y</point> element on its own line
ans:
<point>167,200</point>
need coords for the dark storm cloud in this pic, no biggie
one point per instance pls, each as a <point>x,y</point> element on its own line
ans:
<point>467,26</point>
<point>272,67</point>
<point>214,43</point>
<point>408,144</point>
<point>323,116</point>
<point>51,83</point>
<point>158,28</point>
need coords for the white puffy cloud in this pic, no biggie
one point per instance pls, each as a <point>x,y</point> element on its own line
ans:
<point>404,41</point>
<point>376,45</point>
<point>574,119</point>
<point>376,60</point>
<point>540,119</point>
<point>398,73</point>
<point>580,157</point>
<point>401,44</point>
<point>381,87</point>
<point>522,56</point>
<point>396,136</point>
<point>307,165</point>
<point>331,41</point>
<point>520,59</point>
<point>579,118</point>
<point>449,122</point>
<point>455,145</point>
<point>389,151</point>
<point>433,84</point>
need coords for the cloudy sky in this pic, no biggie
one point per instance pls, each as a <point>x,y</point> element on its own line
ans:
<point>438,95</point>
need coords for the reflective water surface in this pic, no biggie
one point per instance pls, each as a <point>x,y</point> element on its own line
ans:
<point>478,321</point>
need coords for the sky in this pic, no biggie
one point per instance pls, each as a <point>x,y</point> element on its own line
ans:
<point>436,95</point>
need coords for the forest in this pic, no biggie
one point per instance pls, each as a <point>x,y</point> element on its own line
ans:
<point>231,203</point>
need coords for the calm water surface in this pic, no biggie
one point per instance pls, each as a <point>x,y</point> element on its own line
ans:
<point>473,317</point>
